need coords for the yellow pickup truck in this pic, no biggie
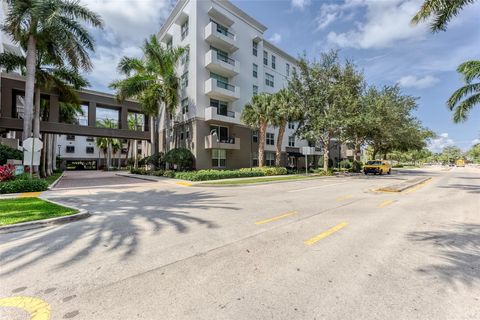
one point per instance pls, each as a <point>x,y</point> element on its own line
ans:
<point>377,166</point>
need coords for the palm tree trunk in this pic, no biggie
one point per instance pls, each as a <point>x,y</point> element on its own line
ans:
<point>356,151</point>
<point>54,152</point>
<point>153,135</point>
<point>51,146</point>
<point>261,143</point>
<point>278,151</point>
<point>43,160</point>
<point>29,86</point>
<point>135,154</point>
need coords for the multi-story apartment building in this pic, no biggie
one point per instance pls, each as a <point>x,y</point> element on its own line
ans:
<point>228,62</point>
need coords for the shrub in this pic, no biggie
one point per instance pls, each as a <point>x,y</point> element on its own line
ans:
<point>181,157</point>
<point>7,172</point>
<point>23,185</point>
<point>346,164</point>
<point>267,171</point>
<point>357,166</point>
<point>321,172</point>
<point>169,174</point>
<point>204,175</point>
<point>9,153</point>
<point>157,173</point>
<point>138,171</point>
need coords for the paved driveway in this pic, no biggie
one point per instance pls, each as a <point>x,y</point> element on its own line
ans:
<point>81,179</point>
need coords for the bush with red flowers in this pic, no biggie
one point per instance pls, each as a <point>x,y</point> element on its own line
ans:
<point>7,172</point>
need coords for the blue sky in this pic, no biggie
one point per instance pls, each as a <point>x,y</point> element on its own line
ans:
<point>376,34</point>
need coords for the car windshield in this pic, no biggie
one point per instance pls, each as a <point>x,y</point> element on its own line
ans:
<point>374,163</point>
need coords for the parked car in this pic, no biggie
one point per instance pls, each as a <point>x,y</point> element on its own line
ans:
<point>377,166</point>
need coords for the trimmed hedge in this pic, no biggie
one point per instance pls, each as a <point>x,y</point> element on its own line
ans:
<point>23,185</point>
<point>7,153</point>
<point>204,175</point>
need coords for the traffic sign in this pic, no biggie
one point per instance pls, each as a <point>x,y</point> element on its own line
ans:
<point>32,144</point>
<point>31,151</point>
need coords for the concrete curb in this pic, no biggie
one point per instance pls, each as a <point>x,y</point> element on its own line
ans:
<point>82,214</point>
<point>50,187</point>
<point>213,185</point>
<point>404,185</point>
<point>141,177</point>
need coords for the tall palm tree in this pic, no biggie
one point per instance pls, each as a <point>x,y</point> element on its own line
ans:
<point>135,121</point>
<point>107,144</point>
<point>442,12</point>
<point>258,115</point>
<point>152,81</point>
<point>463,100</point>
<point>285,109</point>
<point>52,26</point>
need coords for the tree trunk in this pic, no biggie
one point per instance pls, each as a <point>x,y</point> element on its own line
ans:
<point>356,151</point>
<point>54,152</point>
<point>29,86</point>
<point>135,154</point>
<point>374,154</point>
<point>109,156</point>
<point>326,153</point>
<point>50,149</point>
<point>43,159</point>
<point>261,143</point>
<point>153,135</point>
<point>278,148</point>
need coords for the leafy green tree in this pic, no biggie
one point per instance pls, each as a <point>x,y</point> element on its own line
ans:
<point>442,11</point>
<point>153,82</point>
<point>258,114</point>
<point>465,98</point>
<point>107,145</point>
<point>474,153</point>
<point>53,27</point>
<point>285,108</point>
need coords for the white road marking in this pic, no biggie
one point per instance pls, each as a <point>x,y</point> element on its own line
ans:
<point>317,187</point>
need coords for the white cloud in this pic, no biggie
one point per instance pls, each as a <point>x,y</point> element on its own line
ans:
<point>300,4</point>
<point>419,83</point>
<point>475,141</point>
<point>386,23</point>
<point>442,141</point>
<point>275,38</point>
<point>127,24</point>
<point>331,12</point>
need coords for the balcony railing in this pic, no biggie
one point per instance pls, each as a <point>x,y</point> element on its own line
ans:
<point>222,30</point>
<point>212,141</point>
<point>225,85</point>
<point>226,113</point>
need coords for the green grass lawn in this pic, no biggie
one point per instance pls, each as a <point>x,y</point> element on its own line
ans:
<point>53,177</point>
<point>260,180</point>
<point>30,209</point>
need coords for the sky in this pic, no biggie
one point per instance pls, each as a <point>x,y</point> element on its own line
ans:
<point>375,34</point>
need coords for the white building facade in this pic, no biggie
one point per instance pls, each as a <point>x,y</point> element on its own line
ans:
<point>228,62</point>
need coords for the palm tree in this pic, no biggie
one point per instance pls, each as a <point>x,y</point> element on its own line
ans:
<point>152,81</point>
<point>106,144</point>
<point>285,109</point>
<point>470,93</point>
<point>258,115</point>
<point>442,12</point>
<point>135,121</point>
<point>51,26</point>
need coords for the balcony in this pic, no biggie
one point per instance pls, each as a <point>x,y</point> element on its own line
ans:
<point>214,142</point>
<point>221,90</point>
<point>212,114</point>
<point>220,38</point>
<point>220,64</point>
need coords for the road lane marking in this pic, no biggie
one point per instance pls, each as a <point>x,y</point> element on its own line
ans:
<point>184,184</point>
<point>37,308</point>
<point>277,218</point>
<point>29,195</point>
<point>317,187</point>
<point>348,196</point>
<point>325,234</point>
<point>385,203</point>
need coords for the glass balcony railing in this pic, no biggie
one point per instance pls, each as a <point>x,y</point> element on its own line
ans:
<point>223,58</point>
<point>224,85</point>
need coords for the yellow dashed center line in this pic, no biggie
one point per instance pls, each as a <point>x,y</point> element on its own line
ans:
<point>277,218</point>
<point>37,308</point>
<point>348,196</point>
<point>385,203</point>
<point>421,185</point>
<point>325,234</point>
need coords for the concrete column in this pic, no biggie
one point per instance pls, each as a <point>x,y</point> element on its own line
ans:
<point>92,114</point>
<point>54,112</point>
<point>124,118</point>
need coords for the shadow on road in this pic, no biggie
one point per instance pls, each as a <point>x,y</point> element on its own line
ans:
<point>118,222</point>
<point>459,248</point>
<point>471,188</point>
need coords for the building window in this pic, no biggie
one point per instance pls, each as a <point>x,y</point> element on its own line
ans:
<point>219,158</point>
<point>182,135</point>
<point>185,106</point>
<point>70,149</point>
<point>184,29</point>
<point>291,125</point>
<point>187,133</point>
<point>255,159</point>
<point>311,144</point>
<point>255,136</point>
<point>269,159</point>
<point>70,137</point>
<point>223,30</point>
<point>255,90</point>
<point>291,141</point>
<point>184,80</point>
<point>220,132</point>
<point>89,150</point>
<point>274,61</point>
<point>90,139</point>
<point>255,70</point>
<point>265,58</point>
<point>288,70</point>
<point>294,70</point>
<point>254,48</point>
<point>269,80</point>
<point>222,107</point>
<point>169,44</point>
<point>185,56</point>
<point>270,139</point>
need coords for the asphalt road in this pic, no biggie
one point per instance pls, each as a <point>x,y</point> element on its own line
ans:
<point>317,249</point>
